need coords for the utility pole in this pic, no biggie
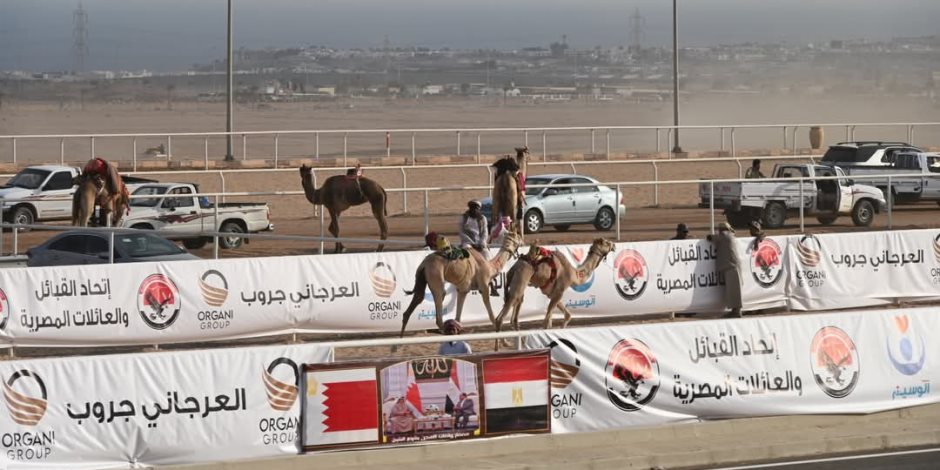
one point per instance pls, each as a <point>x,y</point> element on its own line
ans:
<point>675,75</point>
<point>228,90</point>
<point>80,38</point>
<point>637,23</point>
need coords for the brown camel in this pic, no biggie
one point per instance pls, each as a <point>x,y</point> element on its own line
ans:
<point>91,192</point>
<point>473,272</point>
<point>341,192</point>
<point>553,274</point>
<point>508,195</point>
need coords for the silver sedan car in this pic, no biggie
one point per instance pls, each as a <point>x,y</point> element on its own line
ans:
<point>91,247</point>
<point>553,203</point>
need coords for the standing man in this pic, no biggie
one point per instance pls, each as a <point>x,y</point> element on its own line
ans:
<point>754,171</point>
<point>682,232</point>
<point>728,265</point>
<point>448,348</point>
<point>473,227</point>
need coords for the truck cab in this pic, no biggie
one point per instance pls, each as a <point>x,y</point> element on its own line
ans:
<point>38,193</point>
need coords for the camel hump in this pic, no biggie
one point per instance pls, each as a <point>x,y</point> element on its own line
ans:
<point>506,164</point>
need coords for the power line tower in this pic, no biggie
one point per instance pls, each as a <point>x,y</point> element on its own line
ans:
<point>80,38</point>
<point>637,24</point>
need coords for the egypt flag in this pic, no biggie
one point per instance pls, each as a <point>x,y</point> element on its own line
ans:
<point>342,407</point>
<point>516,394</point>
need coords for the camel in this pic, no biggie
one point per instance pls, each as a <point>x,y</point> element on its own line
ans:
<point>91,192</point>
<point>341,192</point>
<point>473,272</point>
<point>507,193</point>
<point>553,274</point>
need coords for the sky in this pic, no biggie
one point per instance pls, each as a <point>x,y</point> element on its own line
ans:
<point>168,35</point>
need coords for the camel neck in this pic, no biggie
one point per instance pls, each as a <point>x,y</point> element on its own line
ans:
<point>589,265</point>
<point>501,258</point>
<point>312,194</point>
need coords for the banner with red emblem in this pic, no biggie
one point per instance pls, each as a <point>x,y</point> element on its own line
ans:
<point>128,411</point>
<point>606,378</point>
<point>210,300</point>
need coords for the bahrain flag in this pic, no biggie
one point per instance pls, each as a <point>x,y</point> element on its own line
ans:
<point>342,407</point>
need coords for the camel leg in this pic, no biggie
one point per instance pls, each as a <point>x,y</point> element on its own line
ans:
<point>552,303</point>
<point>378,210</point>
<point>461,297</point>
<point>334,229</point>
<point>561,306</point>
<point>515,313</point>
<point>437,291</point>
<point>485,293</point>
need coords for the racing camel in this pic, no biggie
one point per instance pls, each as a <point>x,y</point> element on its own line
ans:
<point>472,272</point>
<point>509,186</point>
<point>553,275</point>
<point>91,191</point>
<point>341,192</point>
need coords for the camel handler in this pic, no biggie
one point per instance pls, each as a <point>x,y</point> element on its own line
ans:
<point>728,265</point>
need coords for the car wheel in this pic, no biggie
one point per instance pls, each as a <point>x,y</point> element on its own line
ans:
<point>826,220</point>
<point>23,215</point>
<point>562,227</point>
<point>774,215</point>
<point>231,242</point>
<point>195,243</point>
<point>605,219</point>
<point>533,221</point>
<point>863,214</point>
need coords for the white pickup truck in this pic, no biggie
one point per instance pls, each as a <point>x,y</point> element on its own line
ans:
<point>187,218</point>
<point>906,189</point>
<point>43,192</point>
<point>771,200</point>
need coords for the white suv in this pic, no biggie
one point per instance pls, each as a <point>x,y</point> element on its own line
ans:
<point>866,153</point>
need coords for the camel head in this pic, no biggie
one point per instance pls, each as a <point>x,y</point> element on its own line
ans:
<point>511,242</point>
<point>305,171</point>
<point>602,247</point>
<point>522,153</point>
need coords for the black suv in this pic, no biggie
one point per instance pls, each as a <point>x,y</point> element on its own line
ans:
<point>866,153</point>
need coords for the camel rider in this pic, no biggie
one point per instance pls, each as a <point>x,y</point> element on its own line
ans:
<point>355,174</point>
<point>473,227</point>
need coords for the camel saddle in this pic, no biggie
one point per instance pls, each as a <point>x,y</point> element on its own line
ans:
<point>443,248</point>
<point>538,256</point>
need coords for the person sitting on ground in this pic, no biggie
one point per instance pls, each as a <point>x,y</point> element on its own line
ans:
<point>682,232</point>
<point>473,227</point>
<point>448,348</point>
<point>754,171</point>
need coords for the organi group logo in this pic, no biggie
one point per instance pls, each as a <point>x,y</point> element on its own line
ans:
<point>809,252</point>
<point>26,398</point>
<point>383,279</point>
<point>214,288</point>
<point>631,375</point>
<point>282,386</point>
<point>158,301</point>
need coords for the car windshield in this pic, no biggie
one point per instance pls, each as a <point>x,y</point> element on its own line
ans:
<point>29,178</point>
<point>143,245</point>
<point>147,191</point>
<point>529,182</point>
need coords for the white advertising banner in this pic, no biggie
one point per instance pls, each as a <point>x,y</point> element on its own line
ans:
<point>859,362</point>
<point>872,268</point>
<point>152,409</point>
<point>189,301</point>
<point>205,300</point>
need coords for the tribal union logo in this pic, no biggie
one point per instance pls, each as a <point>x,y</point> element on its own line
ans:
<point>906,354</point>
<point>565,362</point>
<point>26,402</point>
<point>834,362</point>
<point>630,274</point>
<point>766,265</point>
<point>281,394</point>
<point>4,309</point>
<point>632,375</point>
<point>383,279</point>
<point>578,255</point>
<point>158,301</point>
<point>214,288</point>
<point>809,251</point>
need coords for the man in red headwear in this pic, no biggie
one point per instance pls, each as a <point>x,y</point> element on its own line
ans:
<point>107,172</point>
